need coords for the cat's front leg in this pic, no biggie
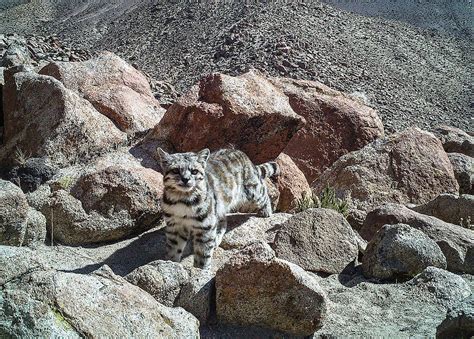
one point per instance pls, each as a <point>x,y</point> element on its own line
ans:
<point>204,242</point>
<point>176,239</point>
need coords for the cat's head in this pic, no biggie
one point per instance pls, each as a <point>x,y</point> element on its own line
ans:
<point>183,171</point>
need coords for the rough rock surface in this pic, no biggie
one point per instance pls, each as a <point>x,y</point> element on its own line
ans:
<point>456,242</point>
<point>389,308</point>
<point>113,87</point>
<point>463,167</point>
<point>287,299</point>
<point>162,279</point>
<point>35,228</point>
<point>67,127</point>
<point>112,198</point>
<point>86,305</point>
<point>400,251</point>
<point>405,167</point>
<point>244,229</point>
<point>447,288</point>
<point>317,239</point>
<point>459,322</point>
<point>455,140</point>
<point>16,54</point>
<point>13,214</point>
<point>455,209</point>
<point>31,174</point>
<point>198,295</point>
<point>335,125</point>
<point>291,183</point>
<point>246,112</point>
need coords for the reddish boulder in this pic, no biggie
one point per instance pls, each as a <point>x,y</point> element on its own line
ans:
<point>455,140</point>
<point>43,118</point>
<point>247,112</point>
<point>291,183</point>
<point>406,167</point>
<point>456,242</point>
<point>111,198</point>
<point>336,125</point>
<point>113,87</point>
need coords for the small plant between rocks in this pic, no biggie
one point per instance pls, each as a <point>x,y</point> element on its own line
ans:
<point>327,199</point>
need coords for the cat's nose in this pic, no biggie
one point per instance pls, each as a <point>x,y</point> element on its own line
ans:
<point>185,180</point>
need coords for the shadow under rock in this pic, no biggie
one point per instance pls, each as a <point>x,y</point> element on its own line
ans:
<point>148,247</point>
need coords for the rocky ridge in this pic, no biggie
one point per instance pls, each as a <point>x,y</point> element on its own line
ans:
<point>80,214</point>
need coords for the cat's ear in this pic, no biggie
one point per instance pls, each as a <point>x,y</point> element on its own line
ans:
<point>163,156</point>
<point>203,155</point>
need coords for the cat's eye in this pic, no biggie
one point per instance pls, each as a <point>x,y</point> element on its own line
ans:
<point>175,171</point>
<point>194,172</point>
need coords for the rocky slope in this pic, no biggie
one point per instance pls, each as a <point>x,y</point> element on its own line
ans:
<point>81,218</point>
<point>410,74</point>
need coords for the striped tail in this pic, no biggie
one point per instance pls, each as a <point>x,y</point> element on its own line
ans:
<point>268,169</point>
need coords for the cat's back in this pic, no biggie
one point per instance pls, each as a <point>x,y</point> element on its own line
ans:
<point>228,171</point>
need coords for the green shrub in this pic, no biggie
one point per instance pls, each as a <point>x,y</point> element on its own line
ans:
<point>327,199</point>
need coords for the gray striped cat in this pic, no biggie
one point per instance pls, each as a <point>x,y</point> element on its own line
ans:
<point>200,189</point>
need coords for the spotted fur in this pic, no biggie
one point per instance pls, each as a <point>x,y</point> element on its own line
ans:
<point>200,189</point>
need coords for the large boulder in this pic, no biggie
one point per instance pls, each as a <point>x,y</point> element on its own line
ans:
<point>456,242</point>
<point>13,214</point>
<point>400,251</point>
<point>318,240</point>
<point>109,200</point>
<point>405,167</point>
<point>198,294</point>
<point>255,288</point>
<point>290,182</point>
<point>459,321</point>
<point>162,279</point>
<point>53,303</point>
<point>244,229</point>
<point>113,87</point>
<point>455,140</point>
<point>66,127</point>
<point>336,125</point>
<point>247,112</point>
<point>455,209</point>
<point>463,167</point>
<point>444,287</point>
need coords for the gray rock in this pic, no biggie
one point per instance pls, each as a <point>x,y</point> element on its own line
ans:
<point>459,322</point>
<point>450,208</point>
<point>162,279</point>
<point>445,287</point>
<point>88,306</point>
<point>362,309</point>
<point>463,167</point>
<point>456,242</point>
<point>35,227</point>
<point>255,288</point>
<point>17,261</point>
<point>13,214</point>
<point>198,295</point>
<point>244,229</point>
<point>16,54</point>
<point>455,140</point>
<point>317,239</point>
<point>39,198</point>
<point>400,251</point>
